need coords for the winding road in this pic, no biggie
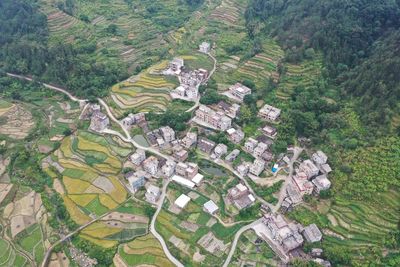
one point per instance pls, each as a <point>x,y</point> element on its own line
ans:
<point>128,138</point>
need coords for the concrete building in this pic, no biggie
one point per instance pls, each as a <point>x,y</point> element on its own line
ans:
<point>257,167</point>
<point>138,157</point>
<point>132,119</point>
<point>176,65</point>
<point>168,133</point>
<point>286,235</point>
<point>250,145</point>
<point>136,182</point>
<point>260,149</point>
<point>233,155</point>
<point>270,131</point>
<point>302,183</point>
<point>293,194</point>
<point>237,191</point>
<point>236,136</point>
<point>205,145</point>
<point>150,165</point>
<point>187,170</point>
<point>312,234</point>
<point>205,47</point>
<point>189,140</point>
<point>181,155</point>
<point>210,118</point>
<point>269,112</point>
<point>230,110</point>
<point>210,207</point>
<point>309,168</point>
<point>182,201</point>
<point>169,168</point>
<point>321,183</point>
<point>243,169</point>
<point>238,92</point>
<point>267,156</point>
<point>220,150</point>
<point>153,193</point>
<point>319,157</point>
<point>325,168</point>
<point>99,122</point>
<point>183,181</point>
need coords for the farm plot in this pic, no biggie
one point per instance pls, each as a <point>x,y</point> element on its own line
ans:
<point>9,257</point>
<point>145,250</point>
<point>145,92</point>
<point>303,75</point>
<point>253,251</point>
<point>16,121</point>
<point>229,12</point>
<point>31,240</point>
<point>193,234</point>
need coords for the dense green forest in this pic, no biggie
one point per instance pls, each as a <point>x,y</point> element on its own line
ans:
<point>24,49</point>
<point>359,40</point>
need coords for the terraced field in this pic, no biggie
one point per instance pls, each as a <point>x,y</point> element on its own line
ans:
<point>183,240</point>
<point>229,12</point>
<point>145,250</point>
<point>91,186</point>
<point>9,257</point>
<point>303,75</point>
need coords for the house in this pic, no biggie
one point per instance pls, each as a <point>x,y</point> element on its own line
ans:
<point>197,179</point>
<point>220,150</point>
<point>167,133</point>
<point>205,145</point>
<point>169,168</point>
<point>136,181</point>
<point>132,119</point>
<point>270,131</point>
<point>183,181</point>
<point>150,165</point>
<point>238,92</point>
<point>302,183</point>
<point>189,140</point>
<point>250,145</point>
<point>319,157</point>
<point>182,201</point>
<point>294,194</point>
<point>269,112</point>
<point>230,110</point>
<point>213,119</point>
<point>204,47</point>
<point>309,168</point>
<point>286,235</point>
<point>236,136</point>
<point>181,168</point>
<point>99,122</point>
<point>153,193</point>
<point>237,191</point>
<point>267,156</point>
<point>312,234</point>
<point>188,170</point>
<point>321,183</point>
<point>138,157</point>
<point>260,149</point>
<point>325,168</point>
<point>181,155</point>
<point>210,207</point>
<point>176,65</point>
<point>243,168</point>
<point>233,155</point>
<point>257,167</point>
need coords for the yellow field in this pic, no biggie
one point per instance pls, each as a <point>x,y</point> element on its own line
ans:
<point>82,200</point>
<point>75,186</point>
<point>86,145</point>
<point>100,230</point>
<point>107,201</point>
<point>76,214</point>
<point>119,194</point>
<point>66,147</point>
<point>100,242</point>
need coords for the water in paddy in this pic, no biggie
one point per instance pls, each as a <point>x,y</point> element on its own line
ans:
<point>214,171</point>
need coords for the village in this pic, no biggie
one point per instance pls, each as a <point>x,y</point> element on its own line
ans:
<point>147,169</point>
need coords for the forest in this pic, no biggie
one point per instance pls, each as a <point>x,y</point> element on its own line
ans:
<point>358,38</point>
<point>24,49</point>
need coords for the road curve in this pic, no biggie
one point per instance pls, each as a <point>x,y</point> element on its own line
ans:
<point>236,239</point>
<point>49,86</point>
<point>209,76</point>
<point>154,231</point>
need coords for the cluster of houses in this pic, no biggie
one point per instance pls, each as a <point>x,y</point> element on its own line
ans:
<point>189,80</point>
<point>311,177</point>
<point>284,237</point>
<point>162,137</point>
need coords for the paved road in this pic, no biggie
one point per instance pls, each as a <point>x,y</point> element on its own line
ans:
<point>49,86</point>
<point>282,193</point>
<point>236,239</point>
<point>154,231</point>
<point>209,76</point>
